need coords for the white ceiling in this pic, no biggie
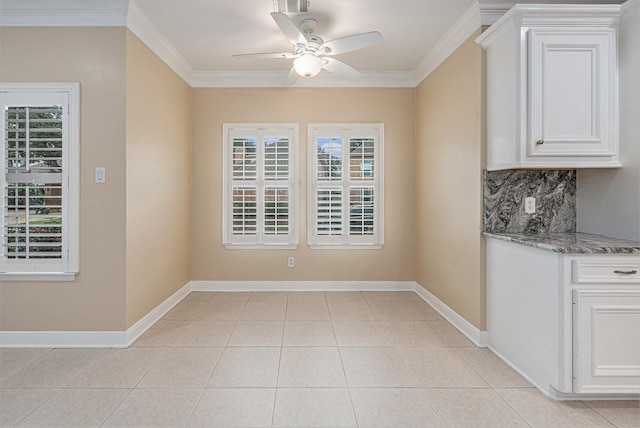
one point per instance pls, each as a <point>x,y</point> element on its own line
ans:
<point>208,32</point>
<point>197,38</point>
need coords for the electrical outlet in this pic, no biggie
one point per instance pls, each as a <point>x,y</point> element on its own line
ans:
<point>530,205</point>
<point>291,262</point>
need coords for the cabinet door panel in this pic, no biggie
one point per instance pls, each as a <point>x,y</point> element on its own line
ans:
<point>569,93</point>
<point>606,341</point>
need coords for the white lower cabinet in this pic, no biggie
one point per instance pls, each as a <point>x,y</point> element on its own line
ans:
<point>570,323</point>
<point>606,340</point>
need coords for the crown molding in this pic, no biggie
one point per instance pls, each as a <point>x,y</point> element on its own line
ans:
<point>491,11</point>
<point>457,34</point>
<point>140,25</point>
<point>551,15</point>
<point>275,79</point>
<point>63,13</point>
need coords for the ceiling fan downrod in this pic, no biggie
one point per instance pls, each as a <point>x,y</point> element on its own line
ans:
<point>290,6</point>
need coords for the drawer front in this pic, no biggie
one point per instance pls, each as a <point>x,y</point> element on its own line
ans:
<point>609,271</point>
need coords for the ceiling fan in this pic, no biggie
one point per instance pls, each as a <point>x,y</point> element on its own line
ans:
<point>311,53</point>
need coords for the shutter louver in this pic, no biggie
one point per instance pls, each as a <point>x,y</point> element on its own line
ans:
<point>329,215</point>
<point>276,210</point>
<point>276,159</point>
<point>244,211</point>
<point>361,212</point>
<point>245,158</point>
<point>32,197</point>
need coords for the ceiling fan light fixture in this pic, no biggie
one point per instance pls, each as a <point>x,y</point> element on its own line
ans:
<point>307,65</point>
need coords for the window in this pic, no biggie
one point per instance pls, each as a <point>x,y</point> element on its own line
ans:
<point>260,189</point>
<point>345,190</point>
<point>39,181</point>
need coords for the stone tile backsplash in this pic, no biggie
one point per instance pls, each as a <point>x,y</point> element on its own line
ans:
<point>504,194</point>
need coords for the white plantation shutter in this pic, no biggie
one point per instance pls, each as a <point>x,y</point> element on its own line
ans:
<point>329,211</point>
<point>39,192</point>
<point>245,219</point>
<point>276,211</point>
<point>260,193</point>
<point>346,169</point>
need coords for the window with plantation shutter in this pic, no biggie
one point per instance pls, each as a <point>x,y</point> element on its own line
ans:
<point>345,186</point>
<point>39,181</point>
<point>260,186</point>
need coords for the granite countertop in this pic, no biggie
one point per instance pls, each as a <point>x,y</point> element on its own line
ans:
<point>571,243</point>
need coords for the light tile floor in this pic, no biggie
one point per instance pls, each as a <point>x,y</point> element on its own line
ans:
<point>298,359</point>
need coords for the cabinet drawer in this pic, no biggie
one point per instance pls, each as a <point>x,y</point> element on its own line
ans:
<point>598,272</point>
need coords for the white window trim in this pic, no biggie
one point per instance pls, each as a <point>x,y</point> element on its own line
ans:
<point>290,129</point>
<point>72,89</point>
<point>346,242</point>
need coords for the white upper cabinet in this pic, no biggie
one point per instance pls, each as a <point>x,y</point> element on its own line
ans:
<point>552,87</point>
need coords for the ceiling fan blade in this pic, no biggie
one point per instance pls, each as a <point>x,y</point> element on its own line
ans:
<point>284,55</point>
<point>289,28</point>
<point>340,68</point>
<point>351,43</point>
<point>292,77</point>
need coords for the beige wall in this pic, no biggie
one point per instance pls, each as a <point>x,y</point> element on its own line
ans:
<point>213,107</point>
<point>95,57</point>
<point>449,151</point>
<point>156,223</point>
<point>158,188</point>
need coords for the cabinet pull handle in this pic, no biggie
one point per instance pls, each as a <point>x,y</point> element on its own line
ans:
<point>540,142</point>
<point>626,272</point>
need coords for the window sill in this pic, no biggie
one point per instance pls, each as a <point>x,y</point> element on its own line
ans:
<point>345,247</point>
<point>38,277</point>
<point>260,247</point>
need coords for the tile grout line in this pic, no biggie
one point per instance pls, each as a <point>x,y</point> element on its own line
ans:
<point>344,372</point>
<point>415,378</point>
<point>275,395</point>
<point>600,414</point>
<point>117,407</point>
<point>512,407</point>
<point>195,405</point>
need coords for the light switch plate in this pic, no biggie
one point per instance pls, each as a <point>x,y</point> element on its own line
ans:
<point>101,175</point>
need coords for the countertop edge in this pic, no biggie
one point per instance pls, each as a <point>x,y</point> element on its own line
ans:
<point>581,243</point>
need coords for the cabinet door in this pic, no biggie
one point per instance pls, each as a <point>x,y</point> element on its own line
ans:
<point>572,93</point>
<point>606,341</point>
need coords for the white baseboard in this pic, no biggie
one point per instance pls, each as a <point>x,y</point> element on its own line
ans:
<point>465,327</point>
<point>302,285</point>
<point>136,330</point>
<point>123,339</point>
<point>91,339</point>
<point>63,339</point>
<point>556,395</point>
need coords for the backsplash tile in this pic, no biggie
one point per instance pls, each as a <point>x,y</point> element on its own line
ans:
<point>503,201</point>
